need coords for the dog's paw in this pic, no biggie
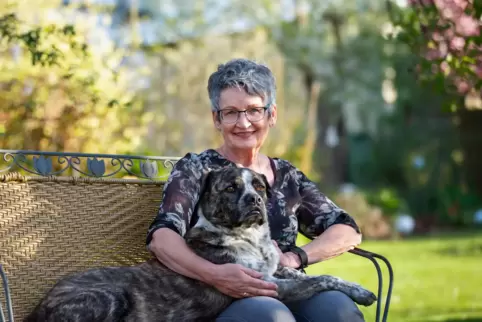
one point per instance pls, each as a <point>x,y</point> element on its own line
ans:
<point>362,296</point>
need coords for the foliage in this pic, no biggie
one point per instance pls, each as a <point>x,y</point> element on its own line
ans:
<point>338,49</point>
<point>446,34</point>
<point>416,153</point>
<point>35,38</point>
<point>458,205</point>
<point>445,44</point>
<point>61,90</point>
<point>371,218</point>
<point>388,199</point>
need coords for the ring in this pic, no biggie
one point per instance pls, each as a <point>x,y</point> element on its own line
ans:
<point>245,294</point>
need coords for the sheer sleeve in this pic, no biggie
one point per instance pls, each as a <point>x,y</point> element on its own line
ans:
<point>179,196</point>
<point>317,212</point>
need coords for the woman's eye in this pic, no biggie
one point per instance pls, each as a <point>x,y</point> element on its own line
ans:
<point>254,111</point>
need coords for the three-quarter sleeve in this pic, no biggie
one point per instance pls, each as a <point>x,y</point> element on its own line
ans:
<point>179,196</point>
<point>317,212</point>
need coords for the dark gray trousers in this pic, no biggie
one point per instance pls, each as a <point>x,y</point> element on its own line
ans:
<point>330,306</point>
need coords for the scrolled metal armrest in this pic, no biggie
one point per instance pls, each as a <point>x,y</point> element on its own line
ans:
<point>372,257</point>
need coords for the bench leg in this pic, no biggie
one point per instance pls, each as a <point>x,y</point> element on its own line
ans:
<point>8,299</point>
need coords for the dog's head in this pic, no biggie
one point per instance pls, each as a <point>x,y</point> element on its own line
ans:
<point>234,197</point>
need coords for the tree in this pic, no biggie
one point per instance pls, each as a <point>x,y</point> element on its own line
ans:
<point>446,35</point>
<point>59,89</point>
<point>342,83</point>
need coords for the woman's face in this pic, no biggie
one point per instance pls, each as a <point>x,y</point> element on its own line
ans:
<point>243,134</point>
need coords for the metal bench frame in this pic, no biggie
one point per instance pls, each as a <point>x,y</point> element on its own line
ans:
<point>41,163</point>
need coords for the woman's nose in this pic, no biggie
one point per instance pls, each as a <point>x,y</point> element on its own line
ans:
<point>243,121</point>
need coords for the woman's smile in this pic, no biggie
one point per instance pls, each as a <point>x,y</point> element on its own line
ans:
<point>245,134</point>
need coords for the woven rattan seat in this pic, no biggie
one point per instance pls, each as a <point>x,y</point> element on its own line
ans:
<point>54,226</point>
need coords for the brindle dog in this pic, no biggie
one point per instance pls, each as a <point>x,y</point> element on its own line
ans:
<point>232,227</point>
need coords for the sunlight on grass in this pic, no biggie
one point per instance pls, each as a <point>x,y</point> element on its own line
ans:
<point>435,279</point>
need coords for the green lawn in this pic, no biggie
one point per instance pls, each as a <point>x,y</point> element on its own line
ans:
<point>436,279</point>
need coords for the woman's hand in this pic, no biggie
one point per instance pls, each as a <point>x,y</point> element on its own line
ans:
<point>287,259</point>
<point>238,281</point>
<point>231,279</point>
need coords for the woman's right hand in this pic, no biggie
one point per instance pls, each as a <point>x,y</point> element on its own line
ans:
<point>238,281</point>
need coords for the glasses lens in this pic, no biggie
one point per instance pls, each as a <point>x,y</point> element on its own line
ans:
<point>229,116</point>
<point>255,114</point>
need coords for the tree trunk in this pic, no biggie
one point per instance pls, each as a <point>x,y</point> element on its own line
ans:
<point>470,130</point>
<point>333,161</point>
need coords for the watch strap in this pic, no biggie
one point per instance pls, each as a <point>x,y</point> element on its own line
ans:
<point>302,255</point>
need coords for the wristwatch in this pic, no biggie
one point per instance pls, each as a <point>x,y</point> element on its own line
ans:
<point>302,255</point>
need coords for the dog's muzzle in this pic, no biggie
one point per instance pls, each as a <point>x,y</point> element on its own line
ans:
<point>253,199</point>
<point>253,210</point>
<point>252,217</point>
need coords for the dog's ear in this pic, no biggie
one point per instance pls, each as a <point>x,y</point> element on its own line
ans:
<point>206,179</point>
<point>269,192</point>
<point>205,184</point>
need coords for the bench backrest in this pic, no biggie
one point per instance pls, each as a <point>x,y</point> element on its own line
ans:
<point>51,226</point>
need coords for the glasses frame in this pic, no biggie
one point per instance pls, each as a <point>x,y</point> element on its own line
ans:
<point>265,108</point>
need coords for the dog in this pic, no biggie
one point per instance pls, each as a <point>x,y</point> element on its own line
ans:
<point>231,227</point>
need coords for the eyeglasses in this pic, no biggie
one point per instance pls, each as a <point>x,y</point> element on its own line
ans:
<point>253,114</point>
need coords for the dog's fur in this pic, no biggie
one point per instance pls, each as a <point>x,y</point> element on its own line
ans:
<point>232,227</point>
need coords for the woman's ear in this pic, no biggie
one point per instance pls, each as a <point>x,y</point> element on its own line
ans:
<point>216,121</point>
<point>273,116</point>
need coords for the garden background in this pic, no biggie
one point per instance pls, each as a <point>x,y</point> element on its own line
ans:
<point>379,103</point>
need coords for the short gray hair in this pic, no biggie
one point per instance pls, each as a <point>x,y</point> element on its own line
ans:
<point>253,77</point>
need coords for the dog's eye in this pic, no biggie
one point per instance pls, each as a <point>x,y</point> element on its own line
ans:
<point>230,189</point>
<point>259,187</point>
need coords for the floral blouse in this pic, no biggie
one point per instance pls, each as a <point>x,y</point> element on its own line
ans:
<point>296,204</point>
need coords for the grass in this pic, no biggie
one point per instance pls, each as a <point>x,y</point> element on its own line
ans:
<point>436,278</point>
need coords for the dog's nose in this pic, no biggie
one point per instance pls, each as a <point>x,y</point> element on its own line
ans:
<point>253,199</point>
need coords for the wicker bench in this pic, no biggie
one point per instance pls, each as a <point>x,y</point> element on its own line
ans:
<point>63,213</point>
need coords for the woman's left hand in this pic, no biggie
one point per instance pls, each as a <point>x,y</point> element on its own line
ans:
<point>287,259</point>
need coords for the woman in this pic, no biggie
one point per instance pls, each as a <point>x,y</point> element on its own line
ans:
<point>242,94</point>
